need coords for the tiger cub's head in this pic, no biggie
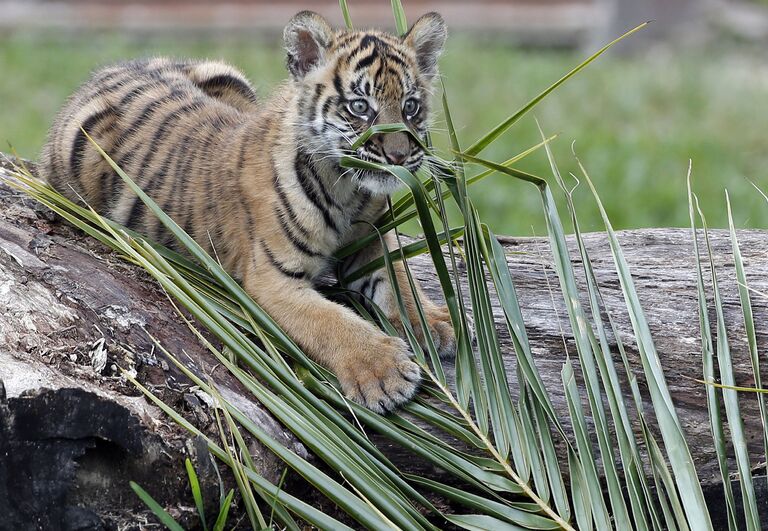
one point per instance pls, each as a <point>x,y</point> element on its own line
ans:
<point>350,80</point>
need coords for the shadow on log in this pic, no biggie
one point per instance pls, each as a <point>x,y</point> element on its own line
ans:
<point>69,454</point>
<point>65,301</point>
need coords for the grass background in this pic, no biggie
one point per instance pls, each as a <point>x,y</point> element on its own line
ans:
<point>635,121</point>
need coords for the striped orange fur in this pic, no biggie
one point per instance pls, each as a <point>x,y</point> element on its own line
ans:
<point>259,182</point>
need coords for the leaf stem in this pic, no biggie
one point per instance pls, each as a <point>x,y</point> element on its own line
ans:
<point>496,455</point>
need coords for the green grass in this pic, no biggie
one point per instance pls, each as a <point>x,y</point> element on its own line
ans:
<point>636,122</point>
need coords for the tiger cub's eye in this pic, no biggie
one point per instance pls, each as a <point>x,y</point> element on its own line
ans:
<point>359,107</point>
<point>410,107</point>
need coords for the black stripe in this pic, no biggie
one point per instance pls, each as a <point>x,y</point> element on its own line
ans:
<point>337,84</point>
<point>135,214</point>
<point>387,72</point>
<point>377,75</point>
<point>419,156</point>
<point>356,86</point>
<point>146,76</point>
<point>123,163</point>
<point>177,156</point>
<point>78,146</point>
<point>295,241</point>
<point>399,62</point>
<point>316,178</point>
<point>287,208</point>
<point>146,113</point>
<point>100,85</point>
<point>318,92</point>
<point>279,265</point>
<point>313,102</point>
<point>369,40</point>
<point>280,213</point>
<point>374,286</point>
<point>213,193</point>
<point>187,224</point>
<point>250,229</point>
<point>228,82</point>
<point>363,199</point>
<point>173,116</point>
<point>309,190</point>
<point>346,39</point>
<point>102,76</point>
<point>364,286</point>
<point>148,187</point>
<point>244,145</point>
<point>367,61</point>
<point>132,94</point>
<point>172,199</point>
<point>108,89</point>
<point>326,107</point>
<point>159,134</point>
<point>392,73</point>
<point>127,137</point>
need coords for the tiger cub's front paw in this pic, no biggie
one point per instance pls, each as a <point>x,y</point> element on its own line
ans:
<point>382,376</point>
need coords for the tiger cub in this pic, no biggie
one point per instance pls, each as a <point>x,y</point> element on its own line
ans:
<point>259,182</point>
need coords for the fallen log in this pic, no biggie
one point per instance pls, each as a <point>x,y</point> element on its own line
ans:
<point>72,314</point>
<point>66,301</point>
<point>664,272</point>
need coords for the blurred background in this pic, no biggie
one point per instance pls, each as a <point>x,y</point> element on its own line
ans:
<point>693,85</point>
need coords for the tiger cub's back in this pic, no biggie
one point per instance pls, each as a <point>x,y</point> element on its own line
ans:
<point>157,119</point>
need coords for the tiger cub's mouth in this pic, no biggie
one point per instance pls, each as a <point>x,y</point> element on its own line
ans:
<point>412,163</point>
<point>382,182</point>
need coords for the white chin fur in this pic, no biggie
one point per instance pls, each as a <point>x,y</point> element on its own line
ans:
<point>381,185</point>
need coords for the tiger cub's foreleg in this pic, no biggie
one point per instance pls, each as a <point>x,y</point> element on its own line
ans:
<point>377,288</point>
<point>374,369</point>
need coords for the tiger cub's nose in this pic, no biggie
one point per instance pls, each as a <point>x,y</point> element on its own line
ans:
<point>396,157</point>
<point>396,147</point>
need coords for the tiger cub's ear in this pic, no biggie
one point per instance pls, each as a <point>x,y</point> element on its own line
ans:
<point>306,38</point>
<point>427,37</point>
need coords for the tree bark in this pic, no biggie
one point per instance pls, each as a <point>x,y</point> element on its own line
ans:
<point>65,300</point>
<point>71,314</point>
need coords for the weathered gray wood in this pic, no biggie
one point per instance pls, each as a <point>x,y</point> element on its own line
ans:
<point>663,269</point>
<point>60,292</point>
